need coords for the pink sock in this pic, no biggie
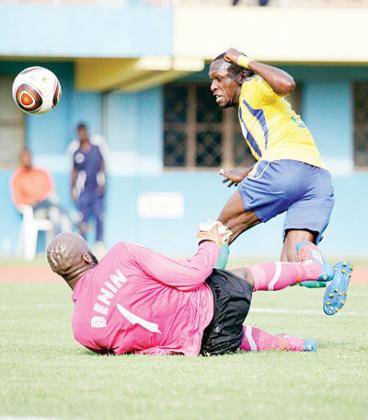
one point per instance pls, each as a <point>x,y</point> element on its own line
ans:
<point>256,339</point>
<point>278,275</point>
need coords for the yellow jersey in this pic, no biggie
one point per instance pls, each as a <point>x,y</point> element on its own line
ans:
<point>272,130</point>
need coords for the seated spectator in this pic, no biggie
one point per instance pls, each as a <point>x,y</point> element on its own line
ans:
<point>32,186</point>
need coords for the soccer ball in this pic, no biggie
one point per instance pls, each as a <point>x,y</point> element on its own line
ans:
<point>36,90</point>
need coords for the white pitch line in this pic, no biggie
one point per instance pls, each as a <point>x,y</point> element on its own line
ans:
<point>301,312</point>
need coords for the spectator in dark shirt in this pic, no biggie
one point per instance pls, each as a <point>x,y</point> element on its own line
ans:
<point>88,184</point>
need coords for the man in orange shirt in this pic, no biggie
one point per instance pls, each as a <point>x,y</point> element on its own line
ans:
<point>33,187</point>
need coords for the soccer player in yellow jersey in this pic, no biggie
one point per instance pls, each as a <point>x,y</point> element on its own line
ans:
<point>289,175</point>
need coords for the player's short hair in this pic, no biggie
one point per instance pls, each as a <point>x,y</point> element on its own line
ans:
<point>81,126</point>
<point>234,68</point>
<point>23,151</point>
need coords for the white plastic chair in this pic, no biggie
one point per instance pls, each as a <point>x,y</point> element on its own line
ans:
<point>29,231</point>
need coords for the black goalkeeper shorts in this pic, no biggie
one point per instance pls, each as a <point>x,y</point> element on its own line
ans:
<point>232,297</point>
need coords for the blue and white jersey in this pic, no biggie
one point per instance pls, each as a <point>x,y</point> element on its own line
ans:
<point>88,167</point>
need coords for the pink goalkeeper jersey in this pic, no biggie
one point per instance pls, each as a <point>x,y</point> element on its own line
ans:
<point>138,301</point>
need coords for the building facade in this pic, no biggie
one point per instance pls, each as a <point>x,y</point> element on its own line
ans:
<point>138,75</point>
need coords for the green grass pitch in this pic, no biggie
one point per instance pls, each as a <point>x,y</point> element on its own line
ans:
<point>44,373</point>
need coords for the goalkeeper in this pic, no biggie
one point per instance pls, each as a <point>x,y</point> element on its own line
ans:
<point>138,301</point>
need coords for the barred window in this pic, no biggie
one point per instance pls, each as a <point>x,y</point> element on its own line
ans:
<point>11,126</point>
<point>198,134</point>
<point>360,90</point>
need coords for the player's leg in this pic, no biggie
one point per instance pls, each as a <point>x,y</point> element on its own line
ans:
<point>292,238</point>
<point>257,200</point>
<point>308,251</point>
<point>260,196</point>
<point>309,215</point>
<point>336,279</point>
<point>66,219</point>
<point>237,220</point>
<point>85,208</point>
<point>98,214</point>
<point>44,210</point>
<point>256,339</point>
<point>41,209</point>
<point>279,275</point>
<point>59,216</point>
<point>276,276</point>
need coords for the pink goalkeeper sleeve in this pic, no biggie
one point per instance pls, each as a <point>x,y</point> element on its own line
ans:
<point>182,274</point>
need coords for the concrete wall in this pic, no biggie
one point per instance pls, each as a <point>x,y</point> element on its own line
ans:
<point>304,35</point>
<point>312,34</point>
<point>84,31</point>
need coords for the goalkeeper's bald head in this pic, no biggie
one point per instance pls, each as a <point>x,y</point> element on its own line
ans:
<point>69,256</point>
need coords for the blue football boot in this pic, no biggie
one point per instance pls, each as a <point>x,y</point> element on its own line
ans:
<point>310,345</point>
<point>308,251</point>
<point>337,289</point>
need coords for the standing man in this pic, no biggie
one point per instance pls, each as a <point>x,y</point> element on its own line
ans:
<point>88,184</point>
<point>290,174</point>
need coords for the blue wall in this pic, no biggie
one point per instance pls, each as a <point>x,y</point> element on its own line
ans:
<point>133,125</point>
<point>111,31</point>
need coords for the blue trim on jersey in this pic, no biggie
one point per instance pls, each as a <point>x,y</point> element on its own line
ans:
<point>260,116</point>
<point>248,136</point>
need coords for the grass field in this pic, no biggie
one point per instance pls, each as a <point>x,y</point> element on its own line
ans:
<point>44,373</point>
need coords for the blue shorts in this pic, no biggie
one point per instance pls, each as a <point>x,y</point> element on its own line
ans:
<point>303,190</point>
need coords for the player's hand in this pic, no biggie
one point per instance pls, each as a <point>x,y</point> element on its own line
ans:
<point>74,195</point>
<point>213,231</point>
<point>232,55</point>
<point>101,189</point>
<point>234,176</point>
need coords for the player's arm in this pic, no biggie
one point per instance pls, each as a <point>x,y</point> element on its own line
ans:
<point>73,182</point>
<point>182,274</point>
<point>49,185</point>
<point>280,81</point>
<point>101,176</point>
<point>102,166</point>
<point>15,191</point>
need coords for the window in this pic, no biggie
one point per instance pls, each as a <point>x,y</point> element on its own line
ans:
<point>197,133</point>
<point>360,90</point>
<point>11,126</point>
